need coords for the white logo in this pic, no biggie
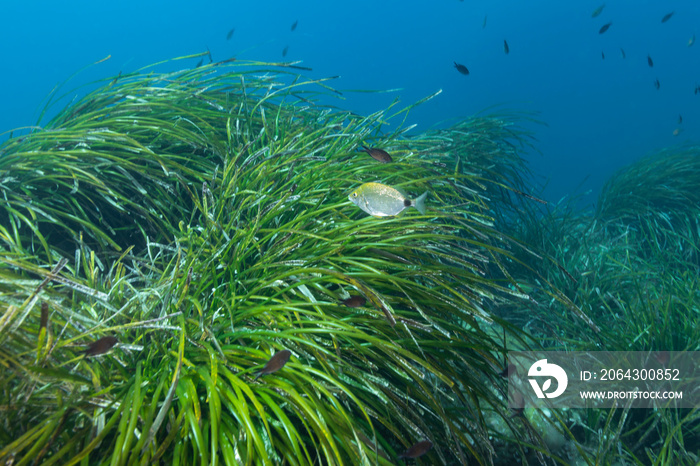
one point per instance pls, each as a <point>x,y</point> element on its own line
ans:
<point>543,369</point>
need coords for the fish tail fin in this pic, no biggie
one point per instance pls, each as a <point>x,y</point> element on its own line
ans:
<point>420,202</point>
<point>258,376</point>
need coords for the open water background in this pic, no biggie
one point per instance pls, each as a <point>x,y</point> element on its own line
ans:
<point>601,114</point>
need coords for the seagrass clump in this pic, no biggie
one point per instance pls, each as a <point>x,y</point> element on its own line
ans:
<point>201,219</point>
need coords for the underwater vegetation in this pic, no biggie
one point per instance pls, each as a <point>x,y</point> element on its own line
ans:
<point>634,265</point>
<point>184,280</point>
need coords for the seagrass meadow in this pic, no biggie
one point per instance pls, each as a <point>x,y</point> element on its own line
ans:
<point>201,217</point>
<point>635,272</point>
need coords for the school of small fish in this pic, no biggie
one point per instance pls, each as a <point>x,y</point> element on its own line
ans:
<point>461,68</point>
<point>650,62</point>
<point>602,30</point>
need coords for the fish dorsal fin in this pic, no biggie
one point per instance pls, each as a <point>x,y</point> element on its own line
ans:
<point>402,192</point>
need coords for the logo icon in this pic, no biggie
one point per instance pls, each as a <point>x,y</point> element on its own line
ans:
<point>542,368</point>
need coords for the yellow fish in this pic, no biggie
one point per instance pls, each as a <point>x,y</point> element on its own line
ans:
<point>380,200</point>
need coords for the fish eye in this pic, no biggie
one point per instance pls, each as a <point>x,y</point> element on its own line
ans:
<point>354,194</point>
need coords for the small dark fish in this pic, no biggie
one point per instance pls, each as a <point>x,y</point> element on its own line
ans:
<point>209,53</point>
<point>657,84</point>
<point>667,17</point>
<point>417,450</point>
<point>650,61</point>
<point>697,89</point>
<point>354,301</point>
<point>44,315</point>
<point>603,55</point>
<point>294,26</point>
<point>100,346</point>
<point>285,50</point>
<point>461,68</point>
<point>518,404</point>
<point>230,34</point>
<point>199,63</point>
<point>509,371</point>
<point>605,27</point>
<point>484,24</point>
<point>598,11</point>
<point>680,119</point>
<point>506,49</point>
<point>379,155</point>
<point>114,81</point>
<point>622,51</point>
<point>275,363</point>
<point>529,196</point>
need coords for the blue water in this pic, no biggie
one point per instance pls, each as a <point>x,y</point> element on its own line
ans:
<point>602,114</point>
